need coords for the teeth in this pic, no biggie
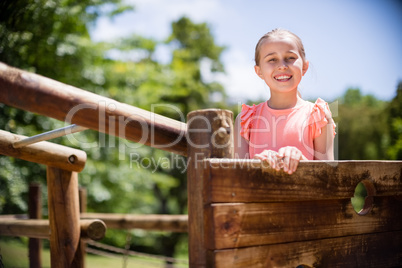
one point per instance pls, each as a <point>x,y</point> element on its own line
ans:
<point>282,77</point>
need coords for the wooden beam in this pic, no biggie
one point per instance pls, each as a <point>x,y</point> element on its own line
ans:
<point>44,152</point>
<point>168,223</point>
<point>14,217</point>
<point>210,134</point>
<point>235,225</point>
<point>229,180</point>
<point>22,90</point>
<point>369,250</point>
<point>89,229</point>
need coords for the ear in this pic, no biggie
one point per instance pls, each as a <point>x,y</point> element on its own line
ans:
<point>257,70</point>
<point>305,66</point>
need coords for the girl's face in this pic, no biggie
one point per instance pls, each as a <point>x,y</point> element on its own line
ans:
<point>281,65</point>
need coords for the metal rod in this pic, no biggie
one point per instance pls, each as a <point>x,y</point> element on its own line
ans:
<point>49,135</point>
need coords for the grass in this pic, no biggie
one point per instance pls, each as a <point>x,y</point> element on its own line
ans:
<point>15,255</point>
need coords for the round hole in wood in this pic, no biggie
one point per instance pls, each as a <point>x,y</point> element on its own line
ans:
<point>72,159</point>
<point>362,201</point>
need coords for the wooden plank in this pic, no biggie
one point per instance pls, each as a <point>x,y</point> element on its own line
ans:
<point>253,181</point>
<point>252,224</point>
<point>168,223</point>
<point>209,134</point>
<point>44,152</point>
<point>369,250</point>
<point>22,90</point>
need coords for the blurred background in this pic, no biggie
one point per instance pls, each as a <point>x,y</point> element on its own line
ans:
<point>192,54</point>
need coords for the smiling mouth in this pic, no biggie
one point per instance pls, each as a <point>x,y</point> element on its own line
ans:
<point>283,78</point>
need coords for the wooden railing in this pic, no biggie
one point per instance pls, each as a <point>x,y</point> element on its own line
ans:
<point>64,227</point>
<point>44,96</point>
<point>240,212</point>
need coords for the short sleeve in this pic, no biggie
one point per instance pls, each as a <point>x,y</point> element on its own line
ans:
<point>246,116</point>
<point>320,116</point>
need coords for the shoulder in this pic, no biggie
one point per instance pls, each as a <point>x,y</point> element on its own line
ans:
<point>321,116</point>
<point>248,111</point>
<point>245,118</point>
<point>321,108</point>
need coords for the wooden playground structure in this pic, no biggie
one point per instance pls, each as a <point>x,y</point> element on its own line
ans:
<point>241,213</point>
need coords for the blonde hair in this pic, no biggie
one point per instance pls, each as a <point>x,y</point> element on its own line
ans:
<point>279,33</point>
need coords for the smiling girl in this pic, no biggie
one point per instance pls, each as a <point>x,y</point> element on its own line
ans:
<point>285,129</point>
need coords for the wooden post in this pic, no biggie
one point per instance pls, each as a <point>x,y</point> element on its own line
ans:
<point>209,135</point>
<point>35,212</point>
<point>82,193</point>
<point>64,217</point>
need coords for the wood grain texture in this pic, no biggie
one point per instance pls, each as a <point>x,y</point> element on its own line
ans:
<point>38,94</point>
<point>233,181</point>
<point>370,250</point>
<point>209,134</point>
<point>64,217</point>
<point>235,225</point>
<point>46,153</point>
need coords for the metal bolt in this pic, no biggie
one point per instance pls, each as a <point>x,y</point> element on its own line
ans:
<point>72,158</point>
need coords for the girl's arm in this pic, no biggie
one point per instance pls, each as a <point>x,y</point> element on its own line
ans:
<point>240,144</point>
<point>324,144</point>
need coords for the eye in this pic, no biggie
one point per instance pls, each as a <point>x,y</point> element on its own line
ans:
<point>272,60</point>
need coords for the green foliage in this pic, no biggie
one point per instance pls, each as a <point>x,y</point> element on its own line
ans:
<point>359,198</point>
<point>362,126</point>
<point>394,121</point>
<point>51,38</point>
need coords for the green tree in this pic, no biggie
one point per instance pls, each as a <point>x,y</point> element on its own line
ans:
<point>178,88</point>
<point>362,126</point>
<point>51,38</point>
<point>394,121</point>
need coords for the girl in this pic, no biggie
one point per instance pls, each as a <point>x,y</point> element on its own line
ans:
<point>285,129</point>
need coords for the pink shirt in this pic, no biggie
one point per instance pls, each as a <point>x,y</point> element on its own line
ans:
<point>269,129</point>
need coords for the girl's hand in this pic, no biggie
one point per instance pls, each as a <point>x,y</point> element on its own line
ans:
<point>272,158</point>
<point>291,157</point>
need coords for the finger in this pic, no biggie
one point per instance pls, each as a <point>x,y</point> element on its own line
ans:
<point>260,156</point>
<point>271,159</point>
<point>267,157</point>
<point>281,152</point>
<point>286,158</point>
<point>294,160</point>
<point>281,157</point>
<point>273,163</point>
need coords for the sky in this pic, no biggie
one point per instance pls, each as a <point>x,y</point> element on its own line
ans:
<point>349,43</point>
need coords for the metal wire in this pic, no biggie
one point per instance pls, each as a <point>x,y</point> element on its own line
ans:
<point>49,135</point>
<point>137,254</point>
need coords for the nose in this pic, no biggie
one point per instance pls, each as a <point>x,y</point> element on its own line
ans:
<point>282,65</point>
